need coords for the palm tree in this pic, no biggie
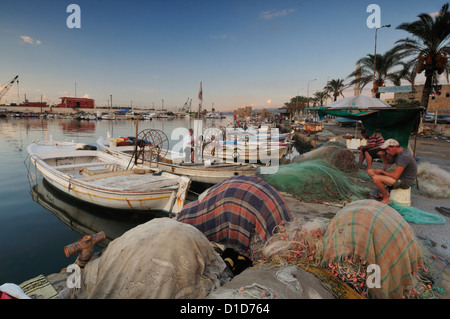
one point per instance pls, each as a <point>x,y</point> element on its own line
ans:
<point>384,70</point>
<point>429,46</point>
<point>336,87</point>
<point>321,96</point>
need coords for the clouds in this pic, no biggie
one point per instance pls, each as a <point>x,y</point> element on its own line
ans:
<point>272,14</point>
<point>30,40</point>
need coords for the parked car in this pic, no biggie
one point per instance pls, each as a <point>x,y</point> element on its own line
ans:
<point>443,119</point>
<point>429,117</point>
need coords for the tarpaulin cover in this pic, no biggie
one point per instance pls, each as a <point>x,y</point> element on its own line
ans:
<point>377,233</point>
<point>235,209</point>
<point>160,259</point>
<point>396,123</point>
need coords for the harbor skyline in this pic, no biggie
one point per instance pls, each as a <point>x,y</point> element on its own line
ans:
<point>153,53</point>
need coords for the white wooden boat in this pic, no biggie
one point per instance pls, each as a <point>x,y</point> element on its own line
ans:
<point>252,152</point>
<point>102,179</point>
<point>208,171</point>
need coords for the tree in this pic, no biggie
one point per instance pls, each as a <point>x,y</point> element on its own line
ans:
<point>321,96</point>
<point>295,104</point>
<point>384,70</point>
<point>429,46</point>
<point>336,87</point>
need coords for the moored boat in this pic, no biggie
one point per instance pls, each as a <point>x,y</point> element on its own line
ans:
<point>99,178</point>
<point>207,170</point>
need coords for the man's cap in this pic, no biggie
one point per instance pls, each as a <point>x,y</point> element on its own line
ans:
<point>389,142</point>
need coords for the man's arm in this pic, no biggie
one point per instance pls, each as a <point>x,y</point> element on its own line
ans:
<point>395,174</point>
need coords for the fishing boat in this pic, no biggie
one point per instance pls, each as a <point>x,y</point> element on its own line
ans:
<point>208,170</point>
<point>108,116</point>
<point>99,178</point>
<point>252,146</point>
<point>214,115</point>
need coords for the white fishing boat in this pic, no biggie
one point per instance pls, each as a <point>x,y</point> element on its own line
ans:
<point>108,116</point>
<point>214,115</point>
<point>252,146</point>
<point>99,178</point>
<point>207,170</point>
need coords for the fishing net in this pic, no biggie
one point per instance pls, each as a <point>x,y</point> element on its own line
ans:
<point>368,232</point>
<point>160,259</point>
<point>315,181</point>
<point>433,181</point>
<point>417,216</point>
<point>335,155</point>
<point>361,234</point>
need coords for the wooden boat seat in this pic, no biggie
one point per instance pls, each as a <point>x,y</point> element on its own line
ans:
<point>108,175</point>
<point>70,166</point>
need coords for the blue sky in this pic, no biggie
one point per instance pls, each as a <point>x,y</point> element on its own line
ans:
<point>259,53</point>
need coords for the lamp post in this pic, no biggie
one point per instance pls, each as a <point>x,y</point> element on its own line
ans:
<point>375,56</point>
<point>296,103</point>
<point>307,91</point>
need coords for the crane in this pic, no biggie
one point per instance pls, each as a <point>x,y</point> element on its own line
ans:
<point>6,87</point>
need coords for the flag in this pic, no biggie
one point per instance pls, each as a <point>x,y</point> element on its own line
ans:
<point>200,94</point>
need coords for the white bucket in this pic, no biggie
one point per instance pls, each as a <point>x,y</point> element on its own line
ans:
<point>401,196</point>
<point>354,143</point>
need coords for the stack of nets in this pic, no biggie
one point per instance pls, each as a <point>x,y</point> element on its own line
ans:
<point>315,181</point>
<point>361,234</point>
<point>368,232</point>
<point>295,242</point>
<point>160,259</point>
<point>238,212</point>
<point>433,181</point>
<point>335,155</point>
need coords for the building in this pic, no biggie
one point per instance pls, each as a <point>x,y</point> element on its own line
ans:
<point>243,112</point>
<point>74,102</point>
<point>439,97</point>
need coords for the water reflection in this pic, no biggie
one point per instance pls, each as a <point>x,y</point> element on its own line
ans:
<point>85,218</point>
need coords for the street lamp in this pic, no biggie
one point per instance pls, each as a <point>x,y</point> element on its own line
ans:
<point>307,92</point>
<point>375,56</point>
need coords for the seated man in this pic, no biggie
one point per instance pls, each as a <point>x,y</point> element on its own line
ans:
<point>372,150</point>
<point>404,175</point>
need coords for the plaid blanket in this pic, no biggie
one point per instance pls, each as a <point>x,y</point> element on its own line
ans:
<point>377,233</point>
<point>235,210</point>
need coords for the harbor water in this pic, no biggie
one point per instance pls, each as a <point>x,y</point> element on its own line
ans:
<point>37,221</point>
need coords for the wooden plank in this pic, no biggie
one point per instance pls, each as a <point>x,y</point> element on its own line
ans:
<point>84,165</point>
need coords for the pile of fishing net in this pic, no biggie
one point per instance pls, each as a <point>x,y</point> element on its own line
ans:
<point>334,154</point>
<point>315,181</point>
<point>241,212</point>
<point>433,181</point>
<point>158,259</point>
<point>367,246</point>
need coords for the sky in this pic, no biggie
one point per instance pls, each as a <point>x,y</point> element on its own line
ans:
<point>257,53</point>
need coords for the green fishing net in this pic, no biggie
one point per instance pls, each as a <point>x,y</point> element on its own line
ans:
<point>416,216</point>
<point>315,181</point>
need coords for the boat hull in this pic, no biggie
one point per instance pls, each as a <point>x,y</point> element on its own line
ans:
<point>117,188</point>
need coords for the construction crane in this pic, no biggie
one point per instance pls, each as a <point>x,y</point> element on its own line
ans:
<point>6,87</point>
